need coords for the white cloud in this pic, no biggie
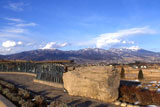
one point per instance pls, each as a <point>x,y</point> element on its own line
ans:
<point>19,6</point>
<point>107,39</point>
<point>13,30</point>
<point>131,42</point>
<point>19,43</point>
<point>5,51</point>
<point>133,48</point>
<point>127,42</point>
<point>124,42</point>
<point>29,44</point>
<point>14,19</point>
<point>19,33</point>
<point>9,43</point>
<point>9,35</point>
<point>49,45</point>
<point>8,49</point>
<point>26,25</point>
<point>63,44</point>
<point>54,45</point>
<point>16,28</point>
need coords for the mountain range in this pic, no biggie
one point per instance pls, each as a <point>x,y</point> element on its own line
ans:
<point>88,55</point>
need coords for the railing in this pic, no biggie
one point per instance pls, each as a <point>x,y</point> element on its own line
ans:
<point>51,72</point>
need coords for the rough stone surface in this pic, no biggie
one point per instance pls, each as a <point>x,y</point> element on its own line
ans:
<point>123,104</point>
<point>95,82</point>
<point>130,105</point>
<point>117,103</point>
<point>136,106</point>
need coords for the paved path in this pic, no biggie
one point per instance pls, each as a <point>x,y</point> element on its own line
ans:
<point>26,81</point>
<point>5,102</point>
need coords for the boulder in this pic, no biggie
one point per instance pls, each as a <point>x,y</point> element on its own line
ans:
<point>95,82</point>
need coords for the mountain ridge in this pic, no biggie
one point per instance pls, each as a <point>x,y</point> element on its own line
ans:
<point>88,55</point>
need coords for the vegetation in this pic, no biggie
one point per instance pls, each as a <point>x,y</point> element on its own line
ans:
<point>24,98</point>
<point>122,73</point>
<point>132,94</point>
<point>140,75</point>
<point>58,103</point>
<point>128,93</point>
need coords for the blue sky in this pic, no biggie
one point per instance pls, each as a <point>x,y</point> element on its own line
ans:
<point>77,24</point>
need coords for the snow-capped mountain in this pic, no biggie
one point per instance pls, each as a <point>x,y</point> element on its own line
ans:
<point>91,55</point>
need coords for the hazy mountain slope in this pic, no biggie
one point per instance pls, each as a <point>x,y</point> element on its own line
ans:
<point>91,55</point>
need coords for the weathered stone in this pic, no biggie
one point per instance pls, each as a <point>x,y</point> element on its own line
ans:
<point>100,83</point>
<point>117,103</point>
<point>130,105</point>
<point>136,106</point>
<point>123,104</point>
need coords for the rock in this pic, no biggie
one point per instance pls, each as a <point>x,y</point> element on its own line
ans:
<point>95,82</point>
<point>123,104</point>
<point>130,105</point>
<point>137,102</point>
<point>117,103</point>
<point>136,106</point>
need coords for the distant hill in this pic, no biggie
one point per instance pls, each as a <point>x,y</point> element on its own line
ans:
<point>88,55</point>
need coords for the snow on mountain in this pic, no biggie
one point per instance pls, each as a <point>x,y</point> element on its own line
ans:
<point>89,54</point>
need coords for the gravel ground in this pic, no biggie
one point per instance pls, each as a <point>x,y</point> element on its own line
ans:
<point>26,81</point>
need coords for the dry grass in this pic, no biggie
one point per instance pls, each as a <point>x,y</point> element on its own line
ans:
<point>151,74</point>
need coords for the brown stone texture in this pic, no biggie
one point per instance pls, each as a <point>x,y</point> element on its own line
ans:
<point>95,82</point>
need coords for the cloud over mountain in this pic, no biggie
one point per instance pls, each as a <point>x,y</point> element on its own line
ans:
<point>107,39</point>
<point>54,45</point>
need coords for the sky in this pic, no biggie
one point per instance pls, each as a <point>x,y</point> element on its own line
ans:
<point>78,24</point>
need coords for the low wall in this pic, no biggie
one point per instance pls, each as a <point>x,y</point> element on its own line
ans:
<point>25,73</point>
<point>50,72</point>
<point>49,83</point>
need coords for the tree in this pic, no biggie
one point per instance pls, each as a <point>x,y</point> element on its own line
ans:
<point>140,74</point>
<point>122,73</point>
